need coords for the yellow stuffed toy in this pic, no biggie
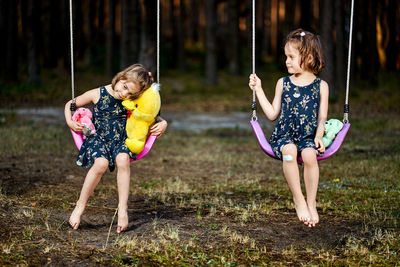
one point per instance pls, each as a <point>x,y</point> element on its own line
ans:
<point>143,111</point>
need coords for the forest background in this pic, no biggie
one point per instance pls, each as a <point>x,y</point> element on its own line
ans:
<point>207,197</point>
<point>204,38</point>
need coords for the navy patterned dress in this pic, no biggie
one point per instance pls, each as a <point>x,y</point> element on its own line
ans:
<point>298,119</point>
<point>109,140</point>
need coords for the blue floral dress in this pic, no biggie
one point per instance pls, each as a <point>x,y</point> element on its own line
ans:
<point>298,119</point>
<point>109,140</point>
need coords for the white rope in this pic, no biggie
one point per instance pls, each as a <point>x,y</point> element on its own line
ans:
<point>72,50</point>
<point>158,41</point>
<point>346,114</point>
<point>253,39</point>
<point>253,55</point>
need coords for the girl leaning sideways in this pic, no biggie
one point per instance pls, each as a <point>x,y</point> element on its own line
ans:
<point>106,148</point>
<point>301,102</point>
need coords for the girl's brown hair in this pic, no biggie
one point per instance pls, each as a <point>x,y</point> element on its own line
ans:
<point>137,74</point>
<point>308,45</point>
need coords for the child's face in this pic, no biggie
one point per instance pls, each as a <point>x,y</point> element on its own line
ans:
<point>124,89</point>
<point>293,59</point>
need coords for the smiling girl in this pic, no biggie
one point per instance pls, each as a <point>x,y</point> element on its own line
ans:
<point>106,148</point>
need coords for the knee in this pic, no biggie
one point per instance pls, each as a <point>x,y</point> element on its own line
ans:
<point>100,165</point>
<point>289,153</point>
<point>122,160</point>
<point>309,156</point>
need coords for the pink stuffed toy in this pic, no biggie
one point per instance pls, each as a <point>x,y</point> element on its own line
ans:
<point>84,116</point>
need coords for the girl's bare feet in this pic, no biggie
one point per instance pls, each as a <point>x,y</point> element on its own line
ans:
<point>75,218</point>
<point>314,214</point>
<point>302,211</point>
<point>122,219</point>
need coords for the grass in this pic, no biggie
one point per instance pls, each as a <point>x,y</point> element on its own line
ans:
<point>208,198</point>
<point>200,199</point>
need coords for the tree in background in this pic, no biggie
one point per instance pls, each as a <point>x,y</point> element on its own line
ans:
<point>211,45</point>
<point>9,48</point>
<point>207,35</point>
<point>326,20</point>
<point>130,32</point>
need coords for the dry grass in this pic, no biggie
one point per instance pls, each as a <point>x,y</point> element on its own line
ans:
<point>210,198</point>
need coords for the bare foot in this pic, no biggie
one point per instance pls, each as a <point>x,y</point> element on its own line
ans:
<point>122,219</point>
<point>302,212</point>
<point>75,218</point>
<point>314,214</point>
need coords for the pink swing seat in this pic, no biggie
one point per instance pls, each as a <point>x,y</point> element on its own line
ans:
<point>332,149</point>
<point>78,139</point>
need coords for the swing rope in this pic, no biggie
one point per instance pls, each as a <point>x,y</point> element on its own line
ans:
<point>346,104</point>
<point>253,58</point>
<point>158,41</point>
<point>73,107</point>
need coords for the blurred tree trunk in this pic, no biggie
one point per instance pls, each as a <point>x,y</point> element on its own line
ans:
<point>33,32</point>
<point>110,39</point>
<point>181,36</point>
<point>92,32</point>
<point>193,34</point>
<point>281,31</point>
<point>340,65</point>
<point>177,15</point>
<point>97,32</point>
<point>64,35</point>
<point>327,42</point>
<point>211,43</point>
<point>9,46</point>
<point>52,39</point>
<point>174,40</point>
<point>130,15</point>
<point>3,28</point>
<point>248,10</point>
<point>101,20</point>
<point>267,40</point>
<point>260,22</point>
<point>368,48</point>
<point>306,14</point>
<point>290,8</point>
<point>79,35</point>
<point>274,29</point>
<point>393,49</point>
<point>148,47</point>
<point>233,37</point>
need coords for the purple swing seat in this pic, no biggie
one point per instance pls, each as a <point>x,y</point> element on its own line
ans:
<point>78,139</point>
<point>266,147</point>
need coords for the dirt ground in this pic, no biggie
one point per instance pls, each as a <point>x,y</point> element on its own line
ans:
<point>39,191</point>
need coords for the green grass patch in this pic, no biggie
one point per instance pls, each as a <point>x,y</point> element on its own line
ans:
<point>207,198</point>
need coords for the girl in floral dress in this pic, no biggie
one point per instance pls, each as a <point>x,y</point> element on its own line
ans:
<point>106,148</point>
<point>301,102</point>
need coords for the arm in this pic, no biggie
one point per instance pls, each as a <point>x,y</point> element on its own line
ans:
<point>160,127</point>
<point>322,115</point>
<point>273,109</point>
<point>91,96</point>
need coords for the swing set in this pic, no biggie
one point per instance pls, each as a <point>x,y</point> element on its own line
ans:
<point>262,140</point>
<point>337,142</point>
<point>78,136</point>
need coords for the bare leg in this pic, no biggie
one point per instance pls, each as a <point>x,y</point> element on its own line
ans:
<point>91,181</point>
<point>311,178</point>
<point>123,180</point>
<point>291,172</point>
